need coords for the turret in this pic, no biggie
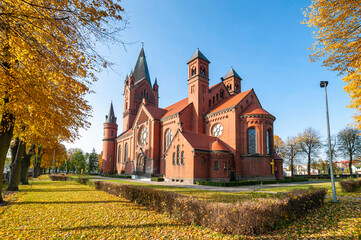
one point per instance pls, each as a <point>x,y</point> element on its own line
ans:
<point>110,133</point>
<point>198,86</point>
<point>232,81</point>
<point>156,87</point>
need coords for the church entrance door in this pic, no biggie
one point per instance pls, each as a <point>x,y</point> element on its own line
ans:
<point>140,164</point>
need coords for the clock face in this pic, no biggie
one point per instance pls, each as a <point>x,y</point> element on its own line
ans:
<point>143,136</point>
<point>217,130</point>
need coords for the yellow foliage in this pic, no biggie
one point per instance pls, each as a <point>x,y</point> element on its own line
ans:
<point>338,30</point>
<point>57,152</point>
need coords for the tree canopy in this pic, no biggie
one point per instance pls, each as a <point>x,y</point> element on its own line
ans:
<point>338,42</point>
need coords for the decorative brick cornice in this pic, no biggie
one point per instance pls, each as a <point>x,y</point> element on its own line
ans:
<point>257,116</point>
<point>220,112</point>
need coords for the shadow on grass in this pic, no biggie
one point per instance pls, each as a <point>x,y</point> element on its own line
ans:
<point>65,202</point>
<point>59,190</point>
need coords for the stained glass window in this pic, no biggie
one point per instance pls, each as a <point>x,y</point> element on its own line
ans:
<point>174,158</point>
<point>168,138</point>
<point>268,142</point>
<point>182,158</point>
<point>143,136</point>
<point>252,147</point>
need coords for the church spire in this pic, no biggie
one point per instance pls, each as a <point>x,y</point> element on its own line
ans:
<point>110,118</point>
<point>141,69</point>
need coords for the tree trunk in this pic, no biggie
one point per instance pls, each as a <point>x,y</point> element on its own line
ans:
<point>15,166</point>
<point>292,168</point>
<point>6,134</point>
<point>25,164</point>
<point>37,161</point>
<point>309,164</point>
<point>350,165</point>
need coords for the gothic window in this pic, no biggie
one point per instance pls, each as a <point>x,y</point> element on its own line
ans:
<point>216,165</point>
<point>182,158</point>
<point>194,71</point>
<point>168,139</point>
<point>203,71</point>
<point>126,153</point>
<point>217,130</point>
<point>143,136</point>
<point>174,158</point>
<point>119,153</point>
<point>269,142</point>
<point>252,137</point>
<point>178,154</point>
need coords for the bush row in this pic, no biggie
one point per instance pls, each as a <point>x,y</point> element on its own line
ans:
<point>250,182</point>
<point>116,176</point>
<point>350,185</point>
<point>248,217</point>
<point>158,179</point>
<point>58,177</point>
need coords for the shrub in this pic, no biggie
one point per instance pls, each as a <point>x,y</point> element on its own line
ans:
<point>250,182</point>
<point>117,176</point>
<point>82,180</point>
<point>58,177</point>
<point>248,217</point>
<point>158,179</point>
<point>350,185</point>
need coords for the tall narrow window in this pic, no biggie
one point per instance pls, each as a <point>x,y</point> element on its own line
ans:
<point>168,139</point>
<point>126,153</point>
<point>252,135</point>
<point>174,158</point>
<point>216,165</point>
<point>221,93</point>
<point>182,158</point>
<point>178,154</point>
<point>268,142</point>
<point>119,153</point>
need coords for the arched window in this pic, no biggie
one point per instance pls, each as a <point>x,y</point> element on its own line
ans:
<point>246,101</point>
<point>252,136</point>
<point>111,133</point>
<point>119,153</point>
<point>225,166</point>
<point>217,97</point>
<point>214,100</point>
<point>216,165</point>
<point>168,138</point>
<point>203,71</point>
<point>236,87</point>
<point>174,158</point>
<point>126,153</point>
<point>229,86</point>
<point>210,103</point>
<point>268,141</point>
<point>178,154</point>
<point>221,93</point>
<point>182,158</point>
<point>194,71</point>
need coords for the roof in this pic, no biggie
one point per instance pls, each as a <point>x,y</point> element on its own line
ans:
<point>214,86</point>
<point>254,109</point>
<point>125,132</point>
<point>230,102</point>
<point>157,113</point>
<point>176,107</point>
<point>204,142</point>
<point>110,118</point>
<point>232,73</point>
<point>276,157</point>
<point>141,69</point>
<point>196,55</point>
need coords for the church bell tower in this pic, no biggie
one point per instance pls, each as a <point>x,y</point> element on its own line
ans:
<point>110,133</point>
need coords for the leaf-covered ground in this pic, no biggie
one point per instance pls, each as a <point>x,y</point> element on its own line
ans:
<point>68,210</point>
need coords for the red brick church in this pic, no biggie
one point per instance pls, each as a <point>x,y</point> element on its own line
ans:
<point>217,133</point>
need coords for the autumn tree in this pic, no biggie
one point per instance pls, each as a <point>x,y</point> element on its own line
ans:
<point>53,156</point>
<point>291,151</point>
<point>25,164</point>
<point>349,144</point>
<point>78,160</point>
<point>279,146</point>
<point>309,142</point>
<point>48,63</point>
<point>338,43</point>
<point>17,151</point>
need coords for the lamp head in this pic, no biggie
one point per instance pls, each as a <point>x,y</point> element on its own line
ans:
<point>323,84</point>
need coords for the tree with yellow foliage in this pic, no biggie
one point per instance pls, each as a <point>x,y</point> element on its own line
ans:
<point>338,44</point>
<point>48,63</point>
<point>279,146</point>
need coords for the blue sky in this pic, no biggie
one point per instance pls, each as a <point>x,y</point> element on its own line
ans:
<point>264,41</point>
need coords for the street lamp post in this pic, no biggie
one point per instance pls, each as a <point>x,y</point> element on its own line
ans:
<point>324,84</point>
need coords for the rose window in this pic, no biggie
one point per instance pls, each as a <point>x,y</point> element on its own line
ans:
<point>217,130</point>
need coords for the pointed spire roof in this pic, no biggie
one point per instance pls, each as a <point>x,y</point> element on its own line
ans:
<point>196,55</point>
<point>141,69</point>
<point>155,82</point>
<point>232,73</point>
<point>110,118</point>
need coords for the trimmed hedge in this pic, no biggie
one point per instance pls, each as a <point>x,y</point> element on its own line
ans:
<point>58,177</point>
<point>158,179</point>
<point>250,182</point>
<point>350,185</point>
<point>117,176</point>
<point>248,217</point>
